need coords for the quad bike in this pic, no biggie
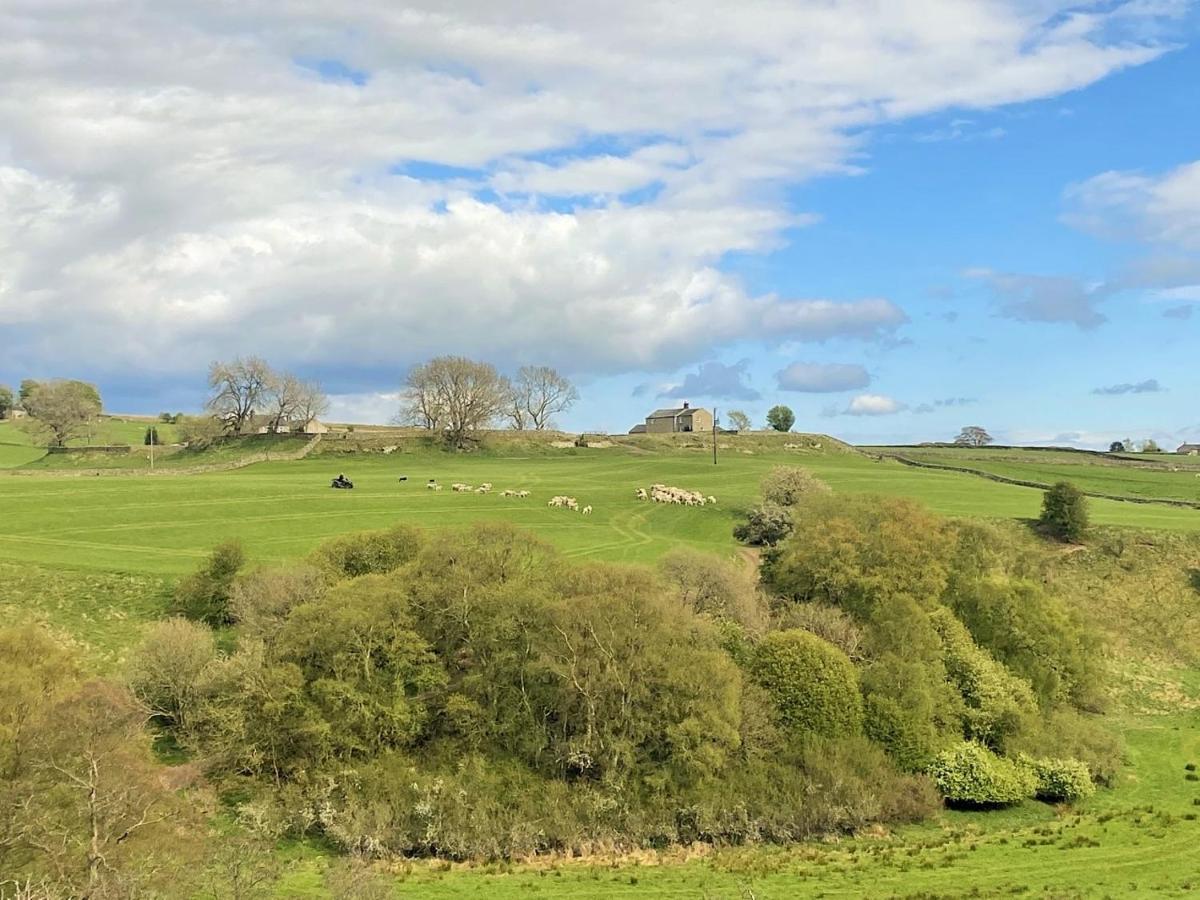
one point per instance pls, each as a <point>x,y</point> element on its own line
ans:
<point>342,483</point>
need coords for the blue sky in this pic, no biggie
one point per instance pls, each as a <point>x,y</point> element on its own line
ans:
<point>897,220</point>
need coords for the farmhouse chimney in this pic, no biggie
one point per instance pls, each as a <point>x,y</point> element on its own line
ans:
<point>685,404</point>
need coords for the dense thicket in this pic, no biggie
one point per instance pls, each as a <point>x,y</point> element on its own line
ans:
<point>476,694</point>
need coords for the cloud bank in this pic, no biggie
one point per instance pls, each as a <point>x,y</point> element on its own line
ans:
<point>370,183</point>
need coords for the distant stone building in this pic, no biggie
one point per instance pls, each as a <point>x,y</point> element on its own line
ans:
<point>668,421</point>
<point>1189,449</point>
<point>312,426</point>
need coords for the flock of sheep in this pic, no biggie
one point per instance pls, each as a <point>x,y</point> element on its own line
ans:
<point>659,493</point>
<point>569,503</point>
<point>663,493</point>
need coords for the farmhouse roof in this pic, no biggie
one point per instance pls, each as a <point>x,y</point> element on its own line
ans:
<point>640,428</point>
<point>1188,448</point>
<point>669,413</point>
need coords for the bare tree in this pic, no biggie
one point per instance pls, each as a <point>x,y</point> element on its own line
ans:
<point>239,388</point>
<point>311,403</point>
<point>96,787</point>
<point>62,410</point>
<point>281,397</point>
<point>738,420</point>
<point>537,395</point>
<point>456,395</point>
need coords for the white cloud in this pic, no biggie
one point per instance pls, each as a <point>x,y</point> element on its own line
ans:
<point>822,378</point>
<point>867,405</point>
<point>178,182</point>
<point>1157,209</point>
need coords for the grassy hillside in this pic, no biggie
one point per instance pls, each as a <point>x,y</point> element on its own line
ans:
<point>281,510</point>
<point>95,559</point>
<point>1158,477</point>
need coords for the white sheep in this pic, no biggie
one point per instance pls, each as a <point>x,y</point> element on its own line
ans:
<point>641,494</point>
<point>432,486</point>
<point>587,511</point>
<point>522,493</point>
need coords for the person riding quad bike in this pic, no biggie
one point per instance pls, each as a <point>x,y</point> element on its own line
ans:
<point>341,482</point>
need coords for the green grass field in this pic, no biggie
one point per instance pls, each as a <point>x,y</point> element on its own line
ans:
<point>95,558</point>
<point>165,525</point>
<point>1157,477</point>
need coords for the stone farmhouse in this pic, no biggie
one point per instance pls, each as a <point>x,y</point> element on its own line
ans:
<point>683,418</point>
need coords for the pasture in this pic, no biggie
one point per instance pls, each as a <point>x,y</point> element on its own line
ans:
<point>164,525</point>
<point>95,557</point>
<point>1153,476</point>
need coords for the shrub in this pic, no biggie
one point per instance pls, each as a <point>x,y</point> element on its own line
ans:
<point>972,775</point>
<point>997,704</point>
<point>1060,780</point>
<point>368,553</point>
<point>788,485</point>
<point>204,595</point>
<point>827,622</point>
<point>716,587</point>
<point>151,437</point>
<point>165,671</point>
<point>766,525</point>
<point>260,601</point>
<point>812,683</point>
<point>1064,512</point>
<point>198,432</point>
<point>1067,733</point>
<point>1035,635</point>
<point>857,551</point>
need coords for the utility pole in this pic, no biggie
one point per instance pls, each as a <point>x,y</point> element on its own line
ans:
<point>153,435</point>
<point>714,435</point>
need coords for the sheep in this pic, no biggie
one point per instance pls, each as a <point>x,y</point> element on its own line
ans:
<point>522,493</point>
<point>587,511</point>
<point>461,488</point>
<point>433,486</point>
<point>641,494</point>
<point>712,499</point>
<point>437,487</point>
<point>508,493</point>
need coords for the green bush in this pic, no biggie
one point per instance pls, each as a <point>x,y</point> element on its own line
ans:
<point>812,683</point>
<point>788,485</point>
<point>858,551</point>
<point>766,525</point>
<point>367,553</point>
<point>972,775</point>
<point>997,703</point>
<point>204,595</point>
<point>1060,780</point>
<point>1064,512</point>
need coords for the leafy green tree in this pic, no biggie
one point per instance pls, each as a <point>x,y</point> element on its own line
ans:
<point>857,551</point>
<point>781,418</point>
<point>366,670</point>
<point>766,525</point>
<point>1065,512</point>
<point>368,552</point>
<point>26,389</point>
<point>204,595</point>
<point>738,420</point>
<point>151,437</point>
<point>1150,446</point>
<point>812,683</point>
<point>1116,447</point>
<point>997,705</point>
<point>788,485</point>
<point>1060,780</point>
<point>62,410</point>
<point>6,401</point>
<point>973,436</point>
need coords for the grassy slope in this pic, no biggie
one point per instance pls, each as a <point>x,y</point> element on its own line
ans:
<point>1120,476</point>
<point>282,510</point>
<point>1136,840</point>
